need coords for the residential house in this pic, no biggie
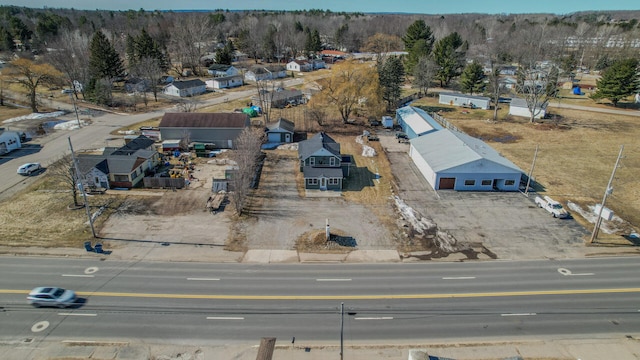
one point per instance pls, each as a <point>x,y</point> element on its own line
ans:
<point>9,141</point>
<point>268,72</point>
<point>280,99</point>
<point>123,167</point>
<point>519,107</point>
<point>216,130</point>
<point>222,70</point>
<point>185,88</point>
<point>453,160</point>
<point>280,132</point>
<point>299,66</point>
<point>134,85</point>
<point>225,82</point>
<point>321,163</point>
<point>318,64</point>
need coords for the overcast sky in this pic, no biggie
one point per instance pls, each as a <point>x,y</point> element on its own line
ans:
<point>403,6</point>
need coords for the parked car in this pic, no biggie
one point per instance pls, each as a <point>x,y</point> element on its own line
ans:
<point>29,168</point>
<point>552,206</point>
<point>51,296</point>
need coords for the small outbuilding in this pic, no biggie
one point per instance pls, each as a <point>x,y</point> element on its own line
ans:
<point>9,141</point>
<point>519,107</point>
<point>185,88</point>
<point>217,130</point>
<point>470,101</point>
<point>280,132</point>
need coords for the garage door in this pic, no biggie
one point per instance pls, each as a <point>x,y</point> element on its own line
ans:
<point>447,183</point>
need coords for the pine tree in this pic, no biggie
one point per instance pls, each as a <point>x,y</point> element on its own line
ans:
<point>391,76</point>
<point>472,79</point>
<point>418,42</point>
<point>448,55</point>
<point>618,81</point>
<point>104,61</point>
<point>225,54</point>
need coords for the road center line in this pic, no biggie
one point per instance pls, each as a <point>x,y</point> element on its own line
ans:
<point>77,314</point>
<point>459,278</point>
<point>203,279</point>
<point>375,318</point>
<point>77,275</point>
<point>224,318</point>
<point>520,314</point>
<point>333,279</point>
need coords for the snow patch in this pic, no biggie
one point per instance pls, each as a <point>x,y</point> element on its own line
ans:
<point>616,225</point>
<point>33,116</point>
<point>367,151</point>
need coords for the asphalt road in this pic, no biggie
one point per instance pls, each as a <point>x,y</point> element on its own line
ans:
<point>224,303</point>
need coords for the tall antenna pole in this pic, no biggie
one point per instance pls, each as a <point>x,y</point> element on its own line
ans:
<point>81,188</point>
<point>533,164</point>
<point>607,192</point>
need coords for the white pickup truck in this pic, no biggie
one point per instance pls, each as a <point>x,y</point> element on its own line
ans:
<point>552,206</point>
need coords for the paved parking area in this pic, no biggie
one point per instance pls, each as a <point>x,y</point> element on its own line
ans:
<point>508,225</point>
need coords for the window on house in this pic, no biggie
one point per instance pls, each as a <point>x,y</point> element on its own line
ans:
<point>509,182</point>
<point>486,182</point>
<point>469,182</point>
<point>312,161</point>
<point>334,181</point>
<point>332,161</point>
<point>312,181</point>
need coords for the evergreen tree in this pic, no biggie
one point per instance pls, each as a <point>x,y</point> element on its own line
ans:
<point>472,79</point>
<point>104,61</point>
<point>225,54</point>
<point>618,81</point>
<point>6,40</point>
<point>391,76</point>
<point>418,42</point>
<point>449,57</point>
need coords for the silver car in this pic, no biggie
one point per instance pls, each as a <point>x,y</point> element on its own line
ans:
<point>28,168</point>
<point>51,296</point>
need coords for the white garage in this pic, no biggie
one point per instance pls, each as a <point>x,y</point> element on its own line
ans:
<point>518,107</point>
<point>453,160</point>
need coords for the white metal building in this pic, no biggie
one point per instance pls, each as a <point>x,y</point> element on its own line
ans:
<point>518,107</point>
<point>459,99</point>
<point>453,160</point>
<point>415,121</point>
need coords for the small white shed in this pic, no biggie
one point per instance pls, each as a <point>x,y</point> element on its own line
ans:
<point>518,107</point>
<point>459,99</point>
<point>9,141</point>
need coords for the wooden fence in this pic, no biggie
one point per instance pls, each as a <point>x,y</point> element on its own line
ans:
<point>163,182</point>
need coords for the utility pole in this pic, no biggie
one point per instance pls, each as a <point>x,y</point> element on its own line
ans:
<point>607,192</point>
<point>533,164</point>
<point>75,108</point>
<point>81,188</point>
<point>341,331</point>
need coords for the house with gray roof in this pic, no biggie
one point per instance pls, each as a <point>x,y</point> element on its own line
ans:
<point>124,167</point>
<point>216,130</point>
<point>280,132</point>
<point>321,163</point>
<point>222,70</point>
<point>453,160</point>
<point>185,88</point>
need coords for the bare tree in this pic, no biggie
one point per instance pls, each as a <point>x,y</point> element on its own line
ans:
<point>246,155</point>
<point>189,42</point>
<point>70,55</point>
<point>266,90</point>
<point>185,140</point>
<point>423,73</point>
<point>187,105</point>
<point>150,71</point>
<point>64,171</point>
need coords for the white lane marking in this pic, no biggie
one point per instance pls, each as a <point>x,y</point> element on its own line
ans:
<point>459,278</point>
<point>92,342</point>
<point>77,275</point>
<point>91,270</point>
<point>39,326</point>
<point>519,314</point>
<point>375,318</point>
<point>77,314</point>
<point>567,272</point>
<point>203,279</point>
<point>333,279</point>
<point>224,318</point>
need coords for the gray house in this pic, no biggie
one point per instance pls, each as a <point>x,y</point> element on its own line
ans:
<point>185,88</point>
<point>321,163</point>
<point>459,99</point>
<point>121,167</point>
<point>280,132</point>
<point>282,98</point>
<point>217,130</point>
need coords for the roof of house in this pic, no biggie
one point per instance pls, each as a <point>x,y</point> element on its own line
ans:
<point>204,120</point>
<point>220,67</point>
<point>228,77</point>
<point>300,62</point>
<point>319,141</point>
<point>140,143</point>
<point>466,96</point>
<point>286,94</point>
<point>446,149</point>
<point>188,84</point>
<point>328,172</point>
<point>522,103</point>
<point>283,124</point>
<point>118,164</point>
<point>418,119</point>
<point>332,53</point>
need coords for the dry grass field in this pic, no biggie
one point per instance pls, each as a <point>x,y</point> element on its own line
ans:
<point>576,154</point>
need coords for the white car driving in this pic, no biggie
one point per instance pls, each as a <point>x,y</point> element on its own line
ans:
<point>29,168</point>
